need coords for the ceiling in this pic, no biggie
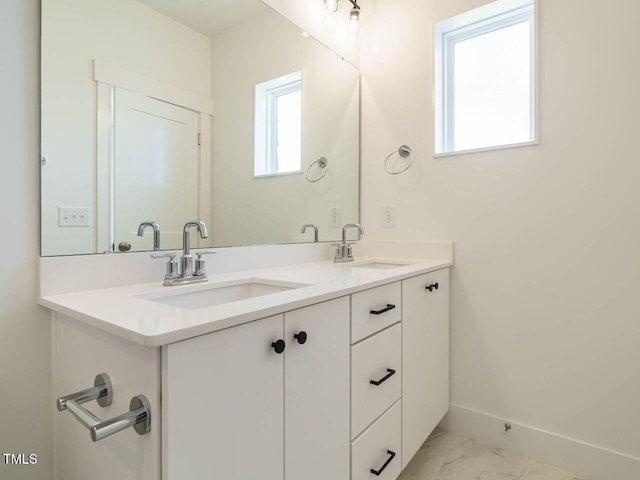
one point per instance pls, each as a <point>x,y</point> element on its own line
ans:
<point>209,17</point>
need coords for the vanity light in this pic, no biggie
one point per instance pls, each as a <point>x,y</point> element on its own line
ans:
<point>347,27</point>
<point>354,15</point>
<point>354,19</point>
<point>331,5</point>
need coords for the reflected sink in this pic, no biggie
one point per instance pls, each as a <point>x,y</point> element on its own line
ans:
<point>219,294</point>
<point>382,265</point>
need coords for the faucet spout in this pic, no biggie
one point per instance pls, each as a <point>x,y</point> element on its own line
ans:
<point>202,229</point>
<point>343,250</point>
<point>315,230</point>
<point>156,232</point>
<point>348,226</point>
<point>186,271</point>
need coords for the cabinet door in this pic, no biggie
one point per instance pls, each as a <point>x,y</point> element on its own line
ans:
<point>223,405</point>
<point>425,361</point>
<point>317,392</point>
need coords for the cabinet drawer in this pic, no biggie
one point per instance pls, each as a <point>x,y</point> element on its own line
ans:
<point>376,359</point>
<point>379,445</point>
<point>385,299</point>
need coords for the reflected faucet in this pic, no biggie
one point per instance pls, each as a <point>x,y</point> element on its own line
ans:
<point>156,233</point>
<point>343,250</point>
<point>315,230</point>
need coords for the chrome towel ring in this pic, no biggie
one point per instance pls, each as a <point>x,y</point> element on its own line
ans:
<point>321,166</point>
<point>404,152</point>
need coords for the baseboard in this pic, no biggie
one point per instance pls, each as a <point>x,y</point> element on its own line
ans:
<point>591,461</point>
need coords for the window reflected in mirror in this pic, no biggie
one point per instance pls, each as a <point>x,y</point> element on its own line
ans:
<point>278,120</point>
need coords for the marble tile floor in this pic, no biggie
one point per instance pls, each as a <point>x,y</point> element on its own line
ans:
<point>450,456</point>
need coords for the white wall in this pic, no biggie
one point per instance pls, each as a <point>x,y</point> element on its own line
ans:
<point>124,33</point>
<point>544,309</point>
<point>25,368</point>
<point>248,210</point>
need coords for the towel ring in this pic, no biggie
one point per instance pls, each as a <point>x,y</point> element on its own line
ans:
<point>322,164</point>
<point>405,152</point>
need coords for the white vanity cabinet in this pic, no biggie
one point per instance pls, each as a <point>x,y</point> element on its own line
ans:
<point>362,381</point>
<point>234,408</point>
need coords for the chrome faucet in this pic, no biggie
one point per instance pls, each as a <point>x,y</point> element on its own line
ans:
<point>315,230</point>
<point>156,233</point>
<point>187,272</point>
<point>343,250</point>
<point>187,259</point>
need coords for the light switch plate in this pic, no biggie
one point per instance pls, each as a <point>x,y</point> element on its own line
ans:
<point>73,217</point>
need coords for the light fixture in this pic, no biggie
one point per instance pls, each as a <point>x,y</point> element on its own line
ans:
<point>331,5</point>
<point>354,18</point>
<point>346,27</point>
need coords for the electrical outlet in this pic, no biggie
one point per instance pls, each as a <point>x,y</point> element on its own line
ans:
<point>389,216</point>
<point>73,217</point>
<point>334,217</point>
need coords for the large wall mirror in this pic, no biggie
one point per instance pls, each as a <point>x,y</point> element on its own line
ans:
<point>166,111</point>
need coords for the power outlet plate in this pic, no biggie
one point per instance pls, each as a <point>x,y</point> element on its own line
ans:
<point>73,217</point>
<point>389,216</point>
<point>334,217</point>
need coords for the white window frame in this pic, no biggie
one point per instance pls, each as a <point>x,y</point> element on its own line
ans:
<point>483,20</point>
<point>266,118</point>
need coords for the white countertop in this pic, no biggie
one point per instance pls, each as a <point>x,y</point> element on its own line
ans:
<point>120,311</point>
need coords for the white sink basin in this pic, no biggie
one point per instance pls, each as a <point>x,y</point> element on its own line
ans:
<point>381,265</point>
<point>217,294</point>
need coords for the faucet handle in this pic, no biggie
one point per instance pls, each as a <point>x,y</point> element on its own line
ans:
<point>200,254</point>
<point>163,255</point>
<point>338,252</point>
<point>172,265</point>
<point>349,250</point>
<point>199,270</point>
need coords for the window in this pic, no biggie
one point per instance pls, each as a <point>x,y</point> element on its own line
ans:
<point>485,77</point>
<point>278,126</point>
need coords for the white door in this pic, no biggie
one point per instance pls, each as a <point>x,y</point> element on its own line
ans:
<point>425,357</point>
<point>222,405</point>
<point>155,172</point>
<point>316,389</point>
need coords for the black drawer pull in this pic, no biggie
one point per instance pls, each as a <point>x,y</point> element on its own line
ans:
<point>383,379</point>
<point>391,455</point>
<point>432,286</point>
<point>278,346</point>
<point>378,312</point>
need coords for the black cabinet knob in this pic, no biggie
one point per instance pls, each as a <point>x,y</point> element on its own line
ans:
<point>278,346</point>
<point>301,337</point>
<point>432,286</point>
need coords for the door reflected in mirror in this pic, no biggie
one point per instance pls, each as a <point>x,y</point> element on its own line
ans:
<point>165,112</point>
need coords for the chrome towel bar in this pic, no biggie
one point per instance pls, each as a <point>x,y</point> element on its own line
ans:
<point>138,416</point>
